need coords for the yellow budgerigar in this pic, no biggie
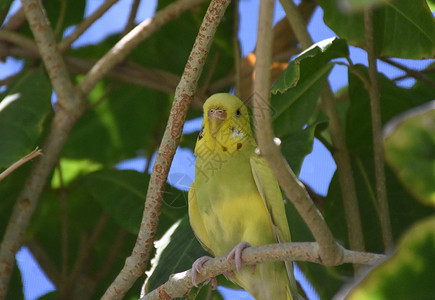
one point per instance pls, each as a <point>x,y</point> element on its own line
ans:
<point>235,201</point>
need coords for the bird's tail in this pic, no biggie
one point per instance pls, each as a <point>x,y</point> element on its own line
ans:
<point>292,288</point>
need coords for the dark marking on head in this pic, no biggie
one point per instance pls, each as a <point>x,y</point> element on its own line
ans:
<point>239,145</point>
<point>224,148</point>
<point>238,113</point>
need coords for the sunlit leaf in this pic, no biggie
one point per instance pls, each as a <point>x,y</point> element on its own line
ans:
<point>176,252</point>
<point>408,273</point>
<point>310,63</point>
<point>410,150</point>
<point>22,111</point>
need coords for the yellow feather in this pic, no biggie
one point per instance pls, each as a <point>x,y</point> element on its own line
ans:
<point>235,197</point>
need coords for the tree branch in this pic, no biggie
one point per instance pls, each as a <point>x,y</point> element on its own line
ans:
<point>131,17</point>
<point>135,264</point>
<point>341,154</point>
<point>378,141</point>
<point>415,74</point>
<point>331,252</point>
<point>179,284</point>
<point>69,107</point>
<point>20,162</point>
<point>19,40</point>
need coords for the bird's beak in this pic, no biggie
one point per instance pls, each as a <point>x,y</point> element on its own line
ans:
<point>216,117</point>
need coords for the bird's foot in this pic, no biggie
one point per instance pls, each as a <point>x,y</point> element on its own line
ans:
<point>236,254</point>
<point>198,267</point>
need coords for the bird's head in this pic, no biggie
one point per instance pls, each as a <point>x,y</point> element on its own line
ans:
<point>226,124</point>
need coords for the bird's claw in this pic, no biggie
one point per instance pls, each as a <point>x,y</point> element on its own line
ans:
<point>236,254</point>
<point>198,267</point>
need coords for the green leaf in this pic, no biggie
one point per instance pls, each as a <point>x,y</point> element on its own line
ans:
<point>176,252</point>
<point>402,28</point>
<point>310,63</point>
<point>295,95</point>
<point>393,101</point>
<point>71,169</point>
<point>408,273</point>
<point>4,7</point>
<point>123,193</point>
<point>15,288</point>
<point>22,112</point>
<point>127,120</point>
<point>65,13</point>
<point>295,146</point>
<point>82,214</point>
<point>410,150</point>
<point>361,4</point>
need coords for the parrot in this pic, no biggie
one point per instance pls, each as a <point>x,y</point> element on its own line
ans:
<point>235,201</point>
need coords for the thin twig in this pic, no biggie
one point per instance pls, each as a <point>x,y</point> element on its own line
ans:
<point>61,13</point>
<point>341,153</point>
<point>130,72</point>
<point>131,17</point>
<point>19,40</point>
<point>412,73</point>
<point>179,284</point>
<point>135,264</point>
<point>20,162</point>
<point>331,252</point>
<point>378,144</point>
<point>85,24</point>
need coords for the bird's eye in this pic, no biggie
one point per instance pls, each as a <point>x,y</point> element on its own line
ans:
<point>238,113</point>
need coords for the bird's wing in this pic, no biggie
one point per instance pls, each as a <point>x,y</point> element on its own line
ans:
<point>270,192</point>
<point>196,221</point>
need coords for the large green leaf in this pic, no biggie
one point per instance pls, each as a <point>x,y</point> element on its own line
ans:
<point>402,28</point>
<point>361,4</point>
<point>82,216</point>
<point>123,193</point>
<point>295,95</point>
<point>127,120</point>
<point>404,210</point>
<point>15,290</point>
<point>176,251</point>
<point>4,8</point>
<point>22,112</point>
<point>309,63</point>
<point>393,101</point>
<point>410,150</point>
<point>408,273</point>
